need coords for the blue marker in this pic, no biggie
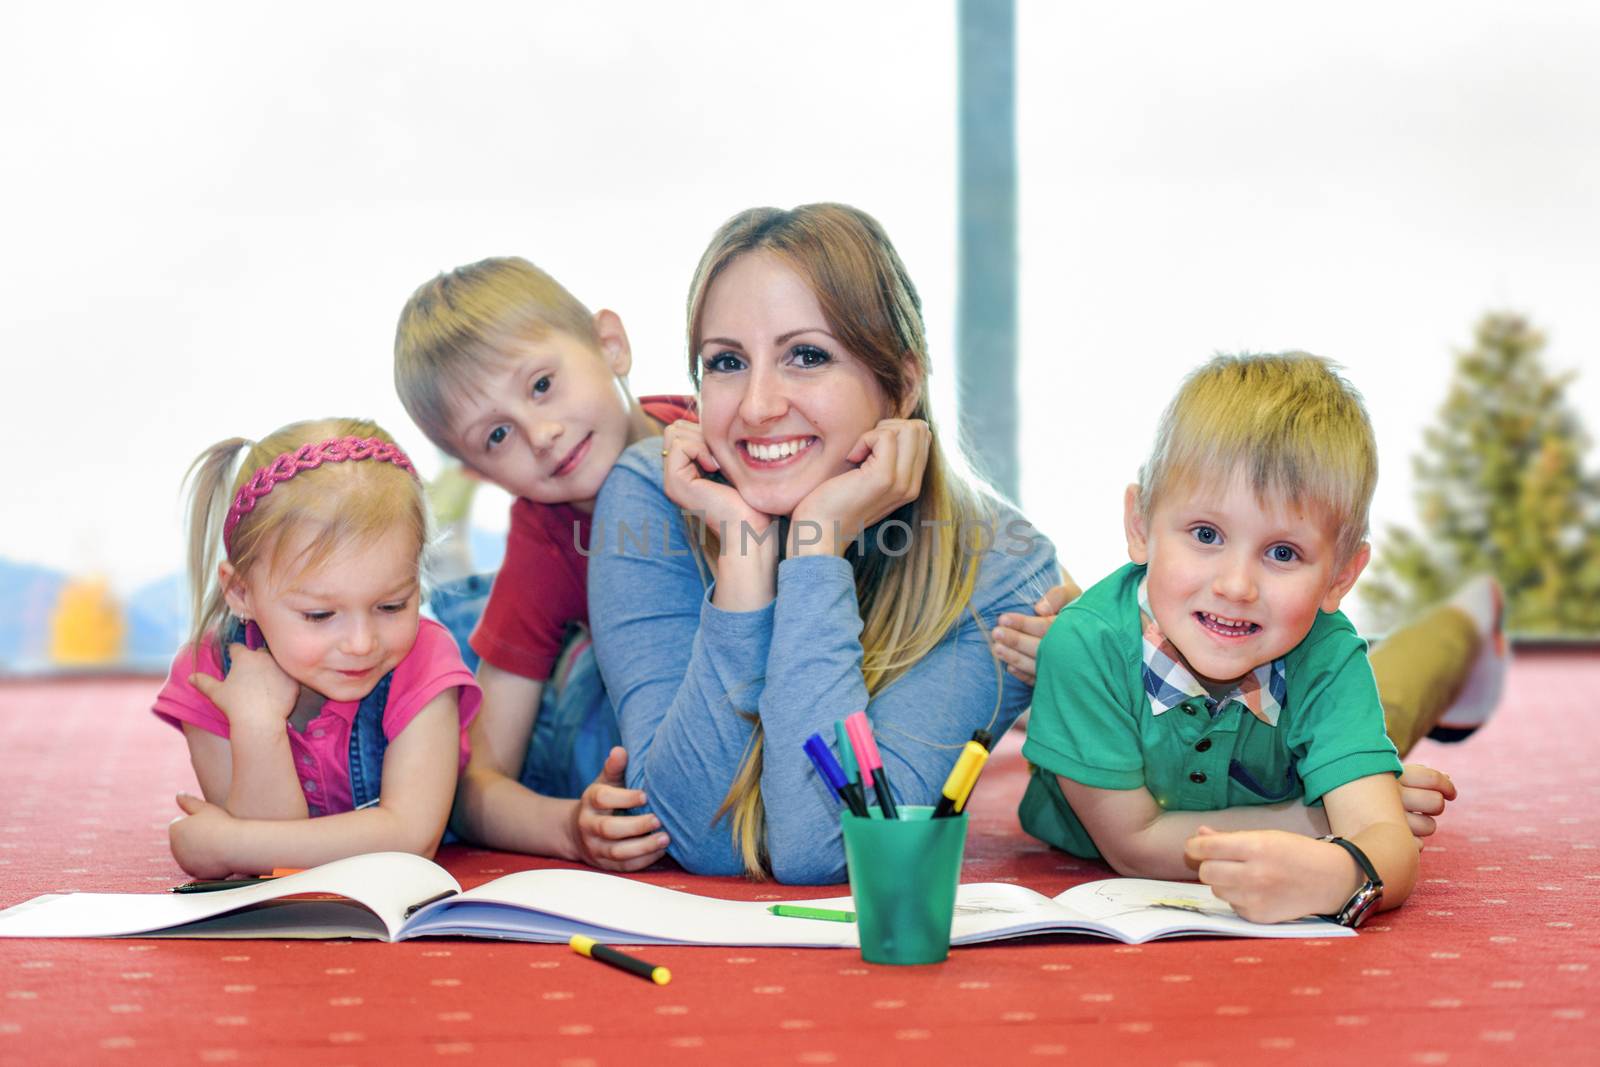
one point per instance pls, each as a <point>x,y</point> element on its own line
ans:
<point>822,758</point>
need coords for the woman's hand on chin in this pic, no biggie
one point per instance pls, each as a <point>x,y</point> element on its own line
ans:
<point>688,484</point>
<point>747,566</point>
<point>891,458</point>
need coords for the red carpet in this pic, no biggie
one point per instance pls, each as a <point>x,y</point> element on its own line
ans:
<point>1493,960</point>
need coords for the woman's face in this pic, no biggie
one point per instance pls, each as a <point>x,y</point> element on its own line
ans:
<point>782,402</point>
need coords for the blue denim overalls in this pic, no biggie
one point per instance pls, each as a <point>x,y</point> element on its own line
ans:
<point>576,726</point>
<point>367,741</point>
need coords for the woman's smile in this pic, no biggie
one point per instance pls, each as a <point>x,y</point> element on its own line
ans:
<point>769,453</point>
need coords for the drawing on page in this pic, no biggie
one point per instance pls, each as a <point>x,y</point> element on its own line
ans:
<point>1121,897</point>
<point>977,904</point>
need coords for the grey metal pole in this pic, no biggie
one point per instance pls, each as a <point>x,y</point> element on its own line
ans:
<point>986,305</point>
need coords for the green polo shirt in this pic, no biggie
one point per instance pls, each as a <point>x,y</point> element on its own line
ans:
<point>1092,722</point>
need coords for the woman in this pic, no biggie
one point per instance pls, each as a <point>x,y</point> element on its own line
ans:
<point>832,557</point>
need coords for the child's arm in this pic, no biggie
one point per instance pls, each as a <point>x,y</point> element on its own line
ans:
<point>251,771</point>
<point>419,770</point>
<point>1140,839</point>
<point>1272,877</point>
<point>495,809</point>
<point>488,809</point>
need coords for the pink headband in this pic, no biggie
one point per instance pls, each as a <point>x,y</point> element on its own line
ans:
<point>307,458</point>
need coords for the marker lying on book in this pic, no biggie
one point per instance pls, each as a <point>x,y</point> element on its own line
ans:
<point>962,776</point>
<point>419,905</point>
<point>822,759</point>
<point>872,772</point>
<point>211,885</point>
<point>588,946</point>
<point>799,911</point>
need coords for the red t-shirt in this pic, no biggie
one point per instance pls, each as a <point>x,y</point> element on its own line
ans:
<point>543,584</point>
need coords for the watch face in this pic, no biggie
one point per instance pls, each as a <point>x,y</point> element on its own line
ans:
<point>1363,904</point>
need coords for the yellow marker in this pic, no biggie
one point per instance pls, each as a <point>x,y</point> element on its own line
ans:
<point>972,775</point>
<point>959,784</point>
<point>588,946</point>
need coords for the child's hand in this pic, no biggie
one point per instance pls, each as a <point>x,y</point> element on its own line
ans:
<point>613,842</point>
<point>1423,793</point>
<point>1017,637</point>
<point>1271,876</point>
<point>892,457</point>
<point>199,837</point>
<point>255,690</point>
<point>687,464</point>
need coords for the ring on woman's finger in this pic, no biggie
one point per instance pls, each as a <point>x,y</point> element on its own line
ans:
<point>665,452</point>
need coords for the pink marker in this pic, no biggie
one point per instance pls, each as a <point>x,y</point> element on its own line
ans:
<point>871,763</point>
<point>854,726</point>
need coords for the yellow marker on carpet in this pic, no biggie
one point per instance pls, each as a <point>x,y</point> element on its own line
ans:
<point>588,946</point>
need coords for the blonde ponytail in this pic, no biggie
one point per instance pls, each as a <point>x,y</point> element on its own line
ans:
<point>210,484</point>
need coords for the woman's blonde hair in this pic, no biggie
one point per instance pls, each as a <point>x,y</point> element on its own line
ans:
<point>327,508</point>
<point>459,323</point>
<point>909,602</point>
<point>1288,422</point>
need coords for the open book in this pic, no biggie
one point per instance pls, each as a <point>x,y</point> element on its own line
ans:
<point>392,896</point>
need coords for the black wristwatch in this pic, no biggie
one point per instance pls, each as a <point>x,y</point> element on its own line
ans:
<point>1366,897</point>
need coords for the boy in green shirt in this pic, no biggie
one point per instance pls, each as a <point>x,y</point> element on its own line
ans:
<point>1193,707</point>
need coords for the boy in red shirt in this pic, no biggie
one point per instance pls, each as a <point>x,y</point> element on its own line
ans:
<point>506,371</point>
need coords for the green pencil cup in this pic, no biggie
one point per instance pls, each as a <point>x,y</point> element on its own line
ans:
<point>903,877</point>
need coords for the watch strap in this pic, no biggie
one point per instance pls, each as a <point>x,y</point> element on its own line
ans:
<point>1359,856</point>
<point>1367,896</point>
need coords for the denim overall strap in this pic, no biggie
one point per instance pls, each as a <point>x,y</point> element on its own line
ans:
<point>367,740</point>
<point>576,726</point>
<point>367,744</point>
<point>235,637</point>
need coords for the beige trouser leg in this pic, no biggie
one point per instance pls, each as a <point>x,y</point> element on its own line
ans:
<point>1420,668</point>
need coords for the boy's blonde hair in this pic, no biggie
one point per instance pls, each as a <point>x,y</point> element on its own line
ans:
<point>331,506</point>
<point>909,602</point>
<point>1289,422</point>
<point>458,325</point>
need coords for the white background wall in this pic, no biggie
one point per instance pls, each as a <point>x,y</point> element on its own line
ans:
<point>211,215</point>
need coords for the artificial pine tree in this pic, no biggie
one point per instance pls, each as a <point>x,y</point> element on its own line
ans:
<point>1501,488</point>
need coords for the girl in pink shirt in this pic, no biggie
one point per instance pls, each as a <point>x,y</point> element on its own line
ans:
<point>324,718</point>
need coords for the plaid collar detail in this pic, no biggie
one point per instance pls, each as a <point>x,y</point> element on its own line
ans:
<point>1168,682</point>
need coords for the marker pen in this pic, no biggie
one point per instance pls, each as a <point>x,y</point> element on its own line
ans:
<point>822,759</point>
<point>872,772</point>
<point>962,775</point>
<point>852,773</point>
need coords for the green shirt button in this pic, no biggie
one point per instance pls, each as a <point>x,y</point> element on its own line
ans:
<point>1198,777</point>
<point>1202,744</point>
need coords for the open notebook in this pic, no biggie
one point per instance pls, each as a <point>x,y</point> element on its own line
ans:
<point>392,896</point>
